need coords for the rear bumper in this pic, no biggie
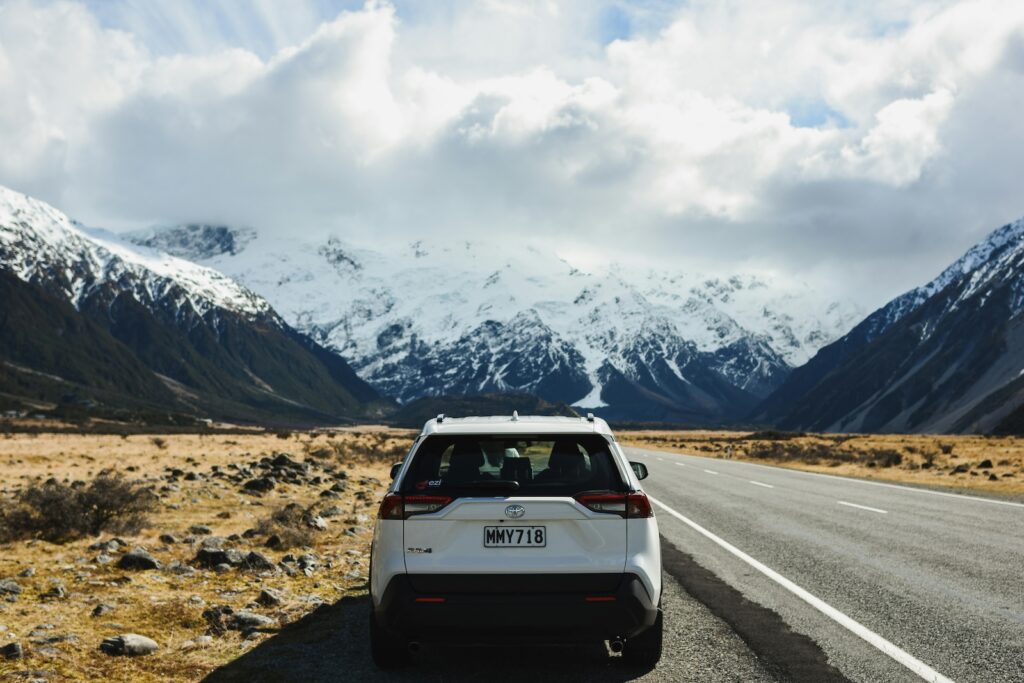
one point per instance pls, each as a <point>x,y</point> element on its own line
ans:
<point>550,608</point>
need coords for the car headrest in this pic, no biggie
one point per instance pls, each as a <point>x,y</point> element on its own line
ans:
<point>466,454</point>
<point>564,454</point>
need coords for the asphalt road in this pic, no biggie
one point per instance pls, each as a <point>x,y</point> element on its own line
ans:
<point>934,578</point>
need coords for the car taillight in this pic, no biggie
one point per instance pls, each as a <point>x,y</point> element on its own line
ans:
<point>629,506</point>
<point>422,505</point>
<point>390,507</point>
<point>397,506</point>
<point>638,506</point>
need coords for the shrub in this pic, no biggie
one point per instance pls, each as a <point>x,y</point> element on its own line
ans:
<point>289,525</point>
<point>59,513</point>
<point>159,442</point>
<point>882,457</point>
<point>946,447</point>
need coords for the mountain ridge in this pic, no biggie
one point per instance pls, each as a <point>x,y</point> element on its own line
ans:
<point>215,348</point>
<point>466,317</point>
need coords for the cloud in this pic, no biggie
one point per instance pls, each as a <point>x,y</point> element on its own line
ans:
<point>858,147</point>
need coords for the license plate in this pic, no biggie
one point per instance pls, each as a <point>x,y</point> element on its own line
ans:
<point>515,537</point>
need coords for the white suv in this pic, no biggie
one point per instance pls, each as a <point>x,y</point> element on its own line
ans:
<point>499,529</point>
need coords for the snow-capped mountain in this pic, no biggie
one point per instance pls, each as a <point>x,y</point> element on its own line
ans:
<point>42,245</point>
<point>946,356</point>
<point>188,339</point>
<point>431,318</point>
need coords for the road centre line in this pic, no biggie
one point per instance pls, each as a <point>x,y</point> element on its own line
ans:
<point>895,652</point>
<point>711,472</point>
<point>862,507</point>
<point>757,483</point>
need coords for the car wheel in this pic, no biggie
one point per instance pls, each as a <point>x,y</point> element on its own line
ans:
<point>389,651</point>
<point>645,649</point>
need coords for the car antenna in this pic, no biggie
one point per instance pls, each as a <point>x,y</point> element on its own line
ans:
<point>515,416</point>
<point>440,418</point>
<point>590,417</point>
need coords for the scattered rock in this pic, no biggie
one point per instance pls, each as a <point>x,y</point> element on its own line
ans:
<point>58,592</point>
<point>200,530</point>
<point>9,587</point>
<point>257,562</point>
<point>260,484</point>
<point>101,609</point>
<point>316,522</point>
<point>129,644</point>
<point>213,542</point>
<point>985,464</point>
<point>308,563</point>
<point>993,477</point>
<point>111,546</point>
<point>960,469</point>
<point>27,573</point>
<point>211,557</point>
<point>274,541</point>
<point>12,651</point>
<point>269,597</point>
<point>169,539</point>
<point>224,515</point>
<point>181,569</point>
<point>103,558</point>
<point>244,620</point>
<point>138,559</point>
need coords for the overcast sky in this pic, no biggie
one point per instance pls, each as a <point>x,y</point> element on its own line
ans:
<point>858,146</point>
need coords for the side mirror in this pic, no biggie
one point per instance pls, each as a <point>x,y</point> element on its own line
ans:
<point>395,469</point>
<point>639,469</point>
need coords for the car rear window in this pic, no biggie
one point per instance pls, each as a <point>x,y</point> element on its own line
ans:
<point>546,465</point>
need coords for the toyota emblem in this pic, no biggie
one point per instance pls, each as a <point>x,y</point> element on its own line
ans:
<point>515,511</point>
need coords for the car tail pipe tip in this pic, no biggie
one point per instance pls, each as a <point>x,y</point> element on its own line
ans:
<point>414,647</point>
<point>615,645</point>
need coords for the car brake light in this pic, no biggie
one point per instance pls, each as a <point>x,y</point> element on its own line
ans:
<point>630,506</point>
<point>638,506</point>
<point>390,507</point>
<point>397,506</point>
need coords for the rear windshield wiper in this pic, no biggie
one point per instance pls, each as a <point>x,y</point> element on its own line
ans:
<point>490,484</point>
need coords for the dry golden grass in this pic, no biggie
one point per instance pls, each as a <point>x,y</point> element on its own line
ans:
<point>160,604</point>
<point>923,459</point>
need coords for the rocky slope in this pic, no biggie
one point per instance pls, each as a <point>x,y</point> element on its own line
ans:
<point>947,356</point>
<point>93,321</point>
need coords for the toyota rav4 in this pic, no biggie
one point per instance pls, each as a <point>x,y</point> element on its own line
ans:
<point>499,530</point>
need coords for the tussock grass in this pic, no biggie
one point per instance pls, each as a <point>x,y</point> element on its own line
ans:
<point>984,463</point>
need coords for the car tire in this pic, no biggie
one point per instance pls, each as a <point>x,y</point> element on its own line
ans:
<point>644,650</point>
<point>389,651</point>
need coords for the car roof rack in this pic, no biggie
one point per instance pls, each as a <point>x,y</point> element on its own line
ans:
<point>440,418</point>
<point>590,417</point>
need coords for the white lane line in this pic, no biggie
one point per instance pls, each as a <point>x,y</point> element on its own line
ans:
<point>659,459</point>
<point>855,627</point>
<point>711,472</point>
<point>962,496</point>
<point>679,464</point>
<point>862,507</point>
<point>757,483</point>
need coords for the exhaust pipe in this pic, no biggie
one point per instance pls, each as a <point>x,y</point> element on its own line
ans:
<point>414,646</point>
<point>615,645</point>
